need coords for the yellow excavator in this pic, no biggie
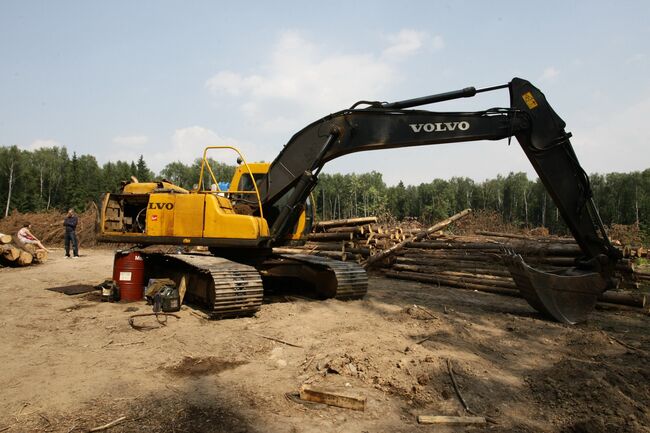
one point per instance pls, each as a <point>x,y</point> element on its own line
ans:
<point>268,205</point>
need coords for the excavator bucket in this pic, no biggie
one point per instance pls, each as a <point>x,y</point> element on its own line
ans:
<point>567,296</point>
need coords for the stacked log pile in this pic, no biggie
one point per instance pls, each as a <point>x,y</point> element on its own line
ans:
<point>472,261</point>
<point>13,253</point>
<point>351,239</point>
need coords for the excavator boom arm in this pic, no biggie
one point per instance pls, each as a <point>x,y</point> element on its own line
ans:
<point>538,129</point>
<point>567,296</point>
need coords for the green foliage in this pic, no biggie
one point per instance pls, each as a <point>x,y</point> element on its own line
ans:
<point>621,199</point>
<point>187,176</point>
<point>49,178</point>
<point>345,196</point>
<point>46,178</point>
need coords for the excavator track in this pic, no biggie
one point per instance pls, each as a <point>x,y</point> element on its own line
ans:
<point>225,288</point>
<point>331,278</point>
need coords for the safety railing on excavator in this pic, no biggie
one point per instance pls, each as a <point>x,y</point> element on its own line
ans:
<point>215,189</point>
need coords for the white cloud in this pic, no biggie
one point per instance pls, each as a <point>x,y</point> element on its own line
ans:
<point>43,142</point>
<point>609,146</point>
<point>184,144</point>
<point>549,73</point>
<point>192,140</point>
<point>131,140</point>
<point>405,43</point>
<point>188,143</point>
<point>305,81</point>
<point>408,42</point>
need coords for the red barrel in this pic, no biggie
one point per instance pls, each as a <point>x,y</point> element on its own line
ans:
<point>128,272</point>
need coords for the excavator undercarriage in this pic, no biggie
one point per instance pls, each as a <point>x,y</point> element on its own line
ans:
<point>225,288</point>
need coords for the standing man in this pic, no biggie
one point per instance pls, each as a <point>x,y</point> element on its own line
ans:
<point>70,224</point>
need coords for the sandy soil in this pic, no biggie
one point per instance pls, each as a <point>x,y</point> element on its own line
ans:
<point>70,363</point>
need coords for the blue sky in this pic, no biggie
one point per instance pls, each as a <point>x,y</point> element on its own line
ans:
<point>164,78</point>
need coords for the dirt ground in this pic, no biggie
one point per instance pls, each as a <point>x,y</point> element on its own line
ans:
<point>71,363</point>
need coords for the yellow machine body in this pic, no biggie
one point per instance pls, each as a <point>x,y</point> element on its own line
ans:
<point>164,213</point>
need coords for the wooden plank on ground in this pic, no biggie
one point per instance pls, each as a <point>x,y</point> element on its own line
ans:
<point>441,419</point>
<point>340,398</point>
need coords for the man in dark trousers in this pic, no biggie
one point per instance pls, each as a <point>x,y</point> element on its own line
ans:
<point>70,224</point>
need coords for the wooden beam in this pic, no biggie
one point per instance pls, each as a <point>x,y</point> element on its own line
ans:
<point>346,399</point>
<point>450,420</point>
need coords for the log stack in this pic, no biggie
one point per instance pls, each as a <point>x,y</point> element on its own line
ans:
<point>354,238</point>
<point>474,262</point>
<point>343,239</point>
<point>407,251</point>
<point>12,253</point>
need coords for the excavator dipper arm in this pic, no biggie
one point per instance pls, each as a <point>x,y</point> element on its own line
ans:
<point>539,131</point>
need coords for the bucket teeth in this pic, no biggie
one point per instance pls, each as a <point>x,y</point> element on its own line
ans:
<point>566,296</point>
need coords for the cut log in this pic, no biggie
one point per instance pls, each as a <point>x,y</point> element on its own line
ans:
<point>476,256</point>
<point>461,273</point>
<point>452,265</point>
<point>323,225</point>
<point>364,251</point>
<point>330,236</point>
<point>40,256</point>
<point>9,252</point>
<point>520,247</point>
<point>524,237</point>
<point>5,239</point>
<point>639,300</point>
<point>448,261</point>
<point>425,278</point>
<point>355,230</point>
<point>424,233</point>
<point>24,259</point>
<point>292,250</point>
<point>324,246</point>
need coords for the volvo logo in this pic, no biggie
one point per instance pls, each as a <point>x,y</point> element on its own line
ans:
<point>168,206</point>
<point>440,127</point>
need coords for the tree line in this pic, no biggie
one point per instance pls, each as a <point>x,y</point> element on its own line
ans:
<point>622,198</point>
<point>50,178</point>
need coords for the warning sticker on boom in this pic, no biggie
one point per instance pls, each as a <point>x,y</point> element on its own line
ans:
<point>530,101</point>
